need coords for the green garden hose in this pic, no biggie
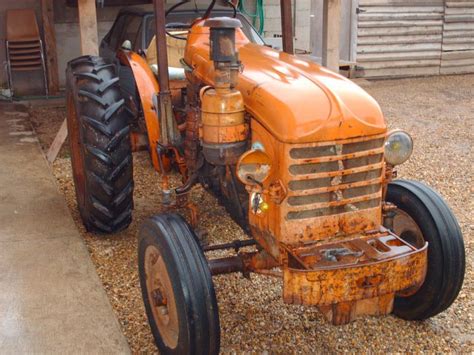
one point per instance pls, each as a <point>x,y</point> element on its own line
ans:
<point>259,14</point>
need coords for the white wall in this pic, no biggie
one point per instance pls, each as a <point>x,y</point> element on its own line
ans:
<point>68,43</point>
<point>301,22</point>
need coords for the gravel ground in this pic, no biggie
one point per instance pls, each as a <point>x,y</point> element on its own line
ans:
<point>438,112</point>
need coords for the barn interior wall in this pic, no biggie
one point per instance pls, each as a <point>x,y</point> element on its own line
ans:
<point>67,32</point>
<point>67,35</point>
<point>34,81</point>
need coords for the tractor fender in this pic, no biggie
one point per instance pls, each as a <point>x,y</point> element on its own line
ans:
<point>148,88</point>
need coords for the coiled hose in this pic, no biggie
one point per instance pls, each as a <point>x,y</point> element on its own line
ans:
<point>258,15</point>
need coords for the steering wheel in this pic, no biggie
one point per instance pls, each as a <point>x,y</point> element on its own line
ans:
<point>185,25</point>
<point>208,11</point>
<point>177,25</point>
<point>175,6</point>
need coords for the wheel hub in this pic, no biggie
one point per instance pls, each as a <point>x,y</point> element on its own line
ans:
<point>159,299</point>
<point>161,296</point>
<point>407,229</point>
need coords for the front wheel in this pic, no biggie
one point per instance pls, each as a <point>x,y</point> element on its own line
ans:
<point>177,288</point>
<point>422,215</point>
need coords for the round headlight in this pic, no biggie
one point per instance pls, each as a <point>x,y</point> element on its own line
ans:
<point>398,147</point>
<point>253,167</point>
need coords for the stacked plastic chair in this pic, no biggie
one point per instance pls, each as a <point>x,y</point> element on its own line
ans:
<point>24,47</point>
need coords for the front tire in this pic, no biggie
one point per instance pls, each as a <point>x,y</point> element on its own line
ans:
<point>99,137</point>
<point>422,215</point>
<point>177,288</point>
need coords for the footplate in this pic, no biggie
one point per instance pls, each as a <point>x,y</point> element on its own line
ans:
<point>338,276</point>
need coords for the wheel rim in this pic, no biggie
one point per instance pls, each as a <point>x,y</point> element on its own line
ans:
<point>77,160</point>
<point>161,297</point>
<point>407,229</point>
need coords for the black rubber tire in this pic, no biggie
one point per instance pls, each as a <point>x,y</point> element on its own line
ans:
<point>101,150</point>
<point>198,314</point>
<point>446,255</point>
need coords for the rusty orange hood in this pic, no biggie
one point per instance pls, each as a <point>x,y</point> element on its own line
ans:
<point>296,100</point>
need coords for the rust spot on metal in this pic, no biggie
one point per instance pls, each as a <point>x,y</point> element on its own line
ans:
<point>338,277</point>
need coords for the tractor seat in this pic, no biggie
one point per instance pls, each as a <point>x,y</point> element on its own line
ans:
<point>175,49</point>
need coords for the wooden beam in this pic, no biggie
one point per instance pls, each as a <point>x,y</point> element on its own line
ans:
<point>331,29</point>
<point>88,27</point>
<point>47,15</point>
<point>89,45</point>
<point>58,142</point>
<point>287,26</point>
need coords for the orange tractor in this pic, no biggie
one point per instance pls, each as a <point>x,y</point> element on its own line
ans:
<point>300,157</point>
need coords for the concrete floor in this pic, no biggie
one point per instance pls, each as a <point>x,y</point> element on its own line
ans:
<point>51,299</point>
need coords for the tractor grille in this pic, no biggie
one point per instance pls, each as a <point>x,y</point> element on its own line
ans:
<point>331,178</point>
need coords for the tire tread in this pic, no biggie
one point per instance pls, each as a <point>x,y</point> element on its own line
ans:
<point>104,126</point>
<point>450,257</point>
<point>177,239</point>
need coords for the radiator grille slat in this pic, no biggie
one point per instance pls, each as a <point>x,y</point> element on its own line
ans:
<point>334,177</point>
<point>329,196</point>
<point>292,215</point>
<point>335,202</point>
<point>325,188</point>
<point>334,172</point>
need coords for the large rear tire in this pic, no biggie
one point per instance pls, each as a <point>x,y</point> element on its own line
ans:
<point>99,136</point>
<point>422,215</point>
<point>177,288</point>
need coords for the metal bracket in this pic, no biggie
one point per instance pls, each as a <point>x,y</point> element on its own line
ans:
<point>332,254</point>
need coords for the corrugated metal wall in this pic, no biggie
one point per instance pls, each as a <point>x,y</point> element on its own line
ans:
<point>419,37</point>
<point>458,38</point>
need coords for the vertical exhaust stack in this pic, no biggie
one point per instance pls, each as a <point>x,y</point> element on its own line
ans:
<point>169,134</point>
<point>224,130</point>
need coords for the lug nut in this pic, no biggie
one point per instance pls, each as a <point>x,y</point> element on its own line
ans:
<point>158,298</point>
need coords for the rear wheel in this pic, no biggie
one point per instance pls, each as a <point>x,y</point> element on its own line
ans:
<point>99,135</point>
<point>422,215</point>
<point>177,288</point>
